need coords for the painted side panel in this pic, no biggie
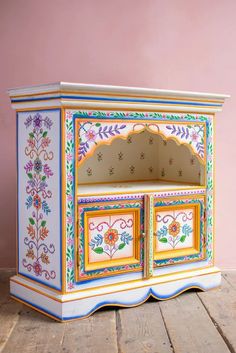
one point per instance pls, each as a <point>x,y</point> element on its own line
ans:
<point>39,216</point>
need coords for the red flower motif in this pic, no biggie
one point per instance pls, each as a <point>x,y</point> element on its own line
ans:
<point>91,135</point>
<point>37,202</point>
<point>37,268</point>
<point>194,136</point>
<point>45,142</point>
<point>111,237</point>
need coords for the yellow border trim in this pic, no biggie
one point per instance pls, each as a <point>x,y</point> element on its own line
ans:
<point>117,284</point>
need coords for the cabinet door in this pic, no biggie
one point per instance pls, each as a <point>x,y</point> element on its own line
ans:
<point>179,230</point>
<point>109,239</point>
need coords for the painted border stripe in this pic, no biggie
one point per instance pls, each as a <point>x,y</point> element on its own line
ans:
<point>143,100</point>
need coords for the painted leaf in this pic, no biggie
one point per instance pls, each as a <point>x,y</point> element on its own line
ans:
<point>31,220</point>
<point>163,240</point>
<point>30,175</point>
<point>98,250</point>
<point>29,202</point>
<point>43,223</point>
<point>121,246</point>
<point>182,239</point>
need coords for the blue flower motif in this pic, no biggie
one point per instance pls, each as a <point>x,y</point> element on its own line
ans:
<point>126,238</point>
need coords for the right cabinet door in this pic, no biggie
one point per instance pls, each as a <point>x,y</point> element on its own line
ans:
<point>179,230</point>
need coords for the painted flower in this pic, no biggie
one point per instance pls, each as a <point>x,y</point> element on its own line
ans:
<point>38,165</point>
<point>194,136</point>
<point>47,170</point>
<point>70,285</point>
<point>30,253</point>
<point>45,258</point>
<point>45,142</point>
<point>69,219</point>
<point>37,121</point>
<point>37,202</point>
<point>70,264</point>
<point>69,177</point>
<point>31,231</point>
<point>37,268</point>
<point>69,157</point>
<point>70,242</point>
<point>69,198</point>
<point>43,233</point>
<point>31,142</point>
<point>90,135</point>
<point>69,136</point>
<point>111,237</point>
<point>174,228</point>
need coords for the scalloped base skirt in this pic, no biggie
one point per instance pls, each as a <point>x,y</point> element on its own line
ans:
<point>70,306</point>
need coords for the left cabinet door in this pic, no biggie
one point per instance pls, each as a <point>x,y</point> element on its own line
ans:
<point>109,240</point>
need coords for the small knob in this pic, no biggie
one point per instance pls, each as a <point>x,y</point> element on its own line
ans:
<point>143,235</point>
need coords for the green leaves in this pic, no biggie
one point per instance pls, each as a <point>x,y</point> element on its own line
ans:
<point>31,220</point>
<point>44,178</point>
<point>43,223</point>
<point>182,239</point>
<point>163,240</point>
<point>30,175</point>
<point>31,135</point>
<point>97,124</point>
<point>98,250</point>
<point>45,133</point>
<point>121,246</point>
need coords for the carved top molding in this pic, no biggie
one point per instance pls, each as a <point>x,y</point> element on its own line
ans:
<point>64,94</point>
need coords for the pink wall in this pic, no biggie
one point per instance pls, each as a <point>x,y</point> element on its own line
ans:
<point>180,44</point>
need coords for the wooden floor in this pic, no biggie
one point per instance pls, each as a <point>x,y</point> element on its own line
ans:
<point>193,322</point>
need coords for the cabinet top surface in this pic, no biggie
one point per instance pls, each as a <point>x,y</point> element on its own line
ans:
<point>107,96</point>
<point>81,87</point>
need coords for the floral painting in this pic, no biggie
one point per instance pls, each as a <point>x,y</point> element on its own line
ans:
<point>175,229</point>
<point>38,172</point>
<point>110,237</point>
<point>109,241</point>
<point>92,133</point>
<point>89,138</point>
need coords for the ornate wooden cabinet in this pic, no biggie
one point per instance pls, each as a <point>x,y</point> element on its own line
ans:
<point>115,196</point>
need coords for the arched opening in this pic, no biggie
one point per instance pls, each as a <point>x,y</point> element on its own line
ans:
<point>143,157</point>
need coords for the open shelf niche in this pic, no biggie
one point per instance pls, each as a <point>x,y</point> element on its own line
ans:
<point>140,161</point>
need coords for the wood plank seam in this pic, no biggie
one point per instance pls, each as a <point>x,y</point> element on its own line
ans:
<point>220,331</point>
<point>118,331</point>
<point>166,328</point>
<point>224,275</point>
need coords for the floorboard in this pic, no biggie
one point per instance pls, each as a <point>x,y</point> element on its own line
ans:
<point>141,329</point>
<point>190,328</point>
<point>221,307</point>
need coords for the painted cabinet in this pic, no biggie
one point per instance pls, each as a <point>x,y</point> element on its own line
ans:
<point>115,196</point>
